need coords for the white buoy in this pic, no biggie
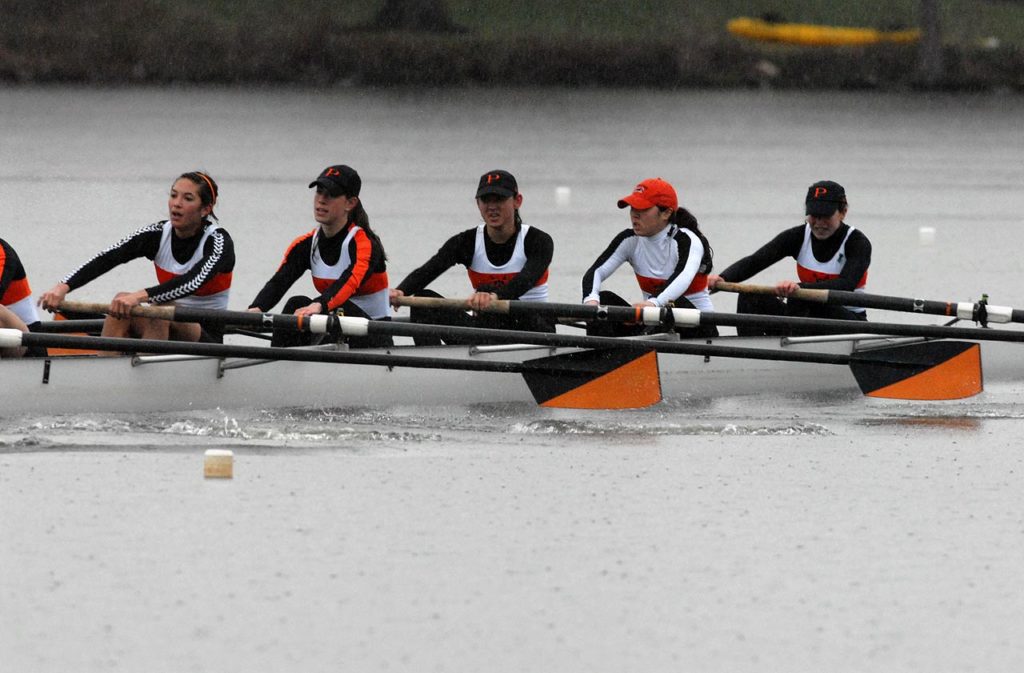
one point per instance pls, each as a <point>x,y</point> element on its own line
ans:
<point>218,464</point>
<point>926,235</point>
<point>563,196</point>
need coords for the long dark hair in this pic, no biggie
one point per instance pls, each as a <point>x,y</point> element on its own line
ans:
<point>361,219</point>
<point>684,219</point>
<point>208,189</point>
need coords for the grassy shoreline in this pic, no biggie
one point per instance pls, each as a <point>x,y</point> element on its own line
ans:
<point>155,42</point>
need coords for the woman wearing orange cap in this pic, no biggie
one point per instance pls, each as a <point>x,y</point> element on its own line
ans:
<point>193,257</point>
<point>669,254</point>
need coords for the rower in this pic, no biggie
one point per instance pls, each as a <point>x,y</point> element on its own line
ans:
<point>17,309</point>
<point>829,254</point>
<point>345,257</point>
<point>670,256</point>
<point>193,257</point>
<point>505,259</point>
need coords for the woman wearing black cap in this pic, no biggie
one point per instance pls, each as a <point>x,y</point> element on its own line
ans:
<point>829,254</point>
<point>344,256</point>
<point>193,257</point>
<point>505,259</point>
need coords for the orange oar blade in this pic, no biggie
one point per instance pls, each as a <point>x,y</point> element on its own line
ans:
<point>932,370</point>
<point>596,379</point>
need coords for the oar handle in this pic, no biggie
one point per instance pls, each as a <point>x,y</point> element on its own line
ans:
<point>317,324</point>
<point>498,306</point>
<point>140,311</point>
<point>818,296</point>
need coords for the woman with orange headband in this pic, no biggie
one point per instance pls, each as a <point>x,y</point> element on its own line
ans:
<point>193,259</point>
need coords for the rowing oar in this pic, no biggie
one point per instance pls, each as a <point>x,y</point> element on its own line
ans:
<point>316,324</point>
<point>926,371</point>
<point>934,370</point>
<point>923,371</point>
<point>688,317</point>
<point>979,312</point>
<point>578,380</point>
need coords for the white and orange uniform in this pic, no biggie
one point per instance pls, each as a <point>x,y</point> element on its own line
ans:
<point>485,274</point>
<point>839,262</point>
<point>514,269</point>
<point>196,270</point>
<point>15,292</point>
<point>810,270</point>
<point>206,289</point>
<point>349,266</point>
<point>668,265</point>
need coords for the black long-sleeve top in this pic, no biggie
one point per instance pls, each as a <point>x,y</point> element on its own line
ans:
<point>459,249</point>
<point>788,244</point>
<point>368,264</point>
<point>218,257</point>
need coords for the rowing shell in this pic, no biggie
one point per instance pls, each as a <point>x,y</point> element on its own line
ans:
<point>78,384</point>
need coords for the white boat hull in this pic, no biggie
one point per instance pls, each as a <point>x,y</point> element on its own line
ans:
<point>74,384</point>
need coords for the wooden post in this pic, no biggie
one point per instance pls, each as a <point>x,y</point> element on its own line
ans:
<point>931,66</point>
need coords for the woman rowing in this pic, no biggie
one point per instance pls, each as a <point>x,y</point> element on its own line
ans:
<point>505,259</point>
<point>829,254</point>
<point>670,256</point>
<point>345,257</point>
<point>17,310</point>
<point>193,258</point>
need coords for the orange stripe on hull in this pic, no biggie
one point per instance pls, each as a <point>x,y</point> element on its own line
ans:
<point>954,379</point>
<point>631,386</point>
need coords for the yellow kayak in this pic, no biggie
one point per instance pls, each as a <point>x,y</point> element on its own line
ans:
<point>811,35</point>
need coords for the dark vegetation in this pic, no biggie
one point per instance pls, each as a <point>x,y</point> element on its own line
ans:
<point>438,43</point>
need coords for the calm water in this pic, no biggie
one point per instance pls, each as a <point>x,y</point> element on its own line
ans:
<point>731,534</point>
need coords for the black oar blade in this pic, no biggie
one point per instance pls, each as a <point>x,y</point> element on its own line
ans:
<point>931,370</point>
<point>596,379</point>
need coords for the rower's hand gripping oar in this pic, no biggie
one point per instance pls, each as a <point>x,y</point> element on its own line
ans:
<point>924,371</point>
<point>315,324</point>
<point>980,311</point>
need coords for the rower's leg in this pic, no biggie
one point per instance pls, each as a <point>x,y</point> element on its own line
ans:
<point>118,328</point>
<point>10,319</point>
<point>151,328</point>
<point>184,331</point>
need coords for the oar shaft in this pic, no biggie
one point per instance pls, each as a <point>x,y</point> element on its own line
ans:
<point>499,306</point>
<point>692,317</point>
<point>975,311</point>
<point>362,326</point>
<point>316,324</point>
<point>67,326</point>
<point>263,352</point>
<point>817,296</point>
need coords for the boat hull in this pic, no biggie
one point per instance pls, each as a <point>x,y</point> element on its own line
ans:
<point>75,384</point>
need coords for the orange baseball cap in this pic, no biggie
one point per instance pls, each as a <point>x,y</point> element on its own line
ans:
<point>649,193</point>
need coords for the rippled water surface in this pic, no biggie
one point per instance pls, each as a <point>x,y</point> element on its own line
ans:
<point>738,533</point>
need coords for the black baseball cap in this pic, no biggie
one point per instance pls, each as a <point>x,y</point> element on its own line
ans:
<point>824,198</point>
<point>497,182</point>
<point>338,180</point>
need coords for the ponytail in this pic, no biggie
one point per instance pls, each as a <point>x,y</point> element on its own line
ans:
<point>684,219</point>
<point>359,217</point>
